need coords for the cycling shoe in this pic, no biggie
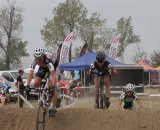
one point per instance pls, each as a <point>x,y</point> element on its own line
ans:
<point>52,112</point>
<point>107,103</point>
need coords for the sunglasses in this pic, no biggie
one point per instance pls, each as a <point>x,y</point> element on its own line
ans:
<point>100,61</point>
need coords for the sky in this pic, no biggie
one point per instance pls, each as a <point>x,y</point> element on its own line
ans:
<point>144,13</point>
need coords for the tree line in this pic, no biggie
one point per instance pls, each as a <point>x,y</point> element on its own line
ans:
<point>71,15</point>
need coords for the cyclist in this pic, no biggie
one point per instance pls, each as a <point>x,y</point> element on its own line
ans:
<point>101,65</point>
<point>46,69</point>
<point>128,98</point>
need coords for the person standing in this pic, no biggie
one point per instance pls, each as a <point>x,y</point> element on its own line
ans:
<point>20,85</point>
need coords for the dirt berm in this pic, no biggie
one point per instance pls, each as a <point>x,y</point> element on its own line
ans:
<point>81,119</point>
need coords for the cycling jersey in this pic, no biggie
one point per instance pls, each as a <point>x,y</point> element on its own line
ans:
<point>48,66</point>
<point>128,101</point>
<point>104,68</point>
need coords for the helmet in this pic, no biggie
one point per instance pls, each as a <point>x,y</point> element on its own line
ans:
<point>39,52</point>
<point>100,56</point>
<point>129,87</point>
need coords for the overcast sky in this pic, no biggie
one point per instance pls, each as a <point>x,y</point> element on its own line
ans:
<point>144,13</point>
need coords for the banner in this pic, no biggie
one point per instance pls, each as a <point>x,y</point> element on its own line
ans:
<point>114,46</point>
<point>64,54</point>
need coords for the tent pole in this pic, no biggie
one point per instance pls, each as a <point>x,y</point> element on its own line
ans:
<point>84,78</point>
<point>149,78</point>
<point>81,77</point>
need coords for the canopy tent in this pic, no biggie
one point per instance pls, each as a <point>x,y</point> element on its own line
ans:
<point>146,67</point>
<point>84,62</point>
<point>126,72</point>
<point>157,68</point>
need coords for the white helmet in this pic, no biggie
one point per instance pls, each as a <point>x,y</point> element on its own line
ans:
<point>39,52</point>
<point>129,87</point>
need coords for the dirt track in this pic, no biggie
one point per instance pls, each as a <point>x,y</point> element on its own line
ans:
<point>82,118</point>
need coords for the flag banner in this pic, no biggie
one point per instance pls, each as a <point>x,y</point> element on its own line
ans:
<point>114,46</point>
<point>64,54</point>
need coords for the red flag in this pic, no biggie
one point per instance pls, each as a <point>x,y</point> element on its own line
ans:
<point>83,49</point>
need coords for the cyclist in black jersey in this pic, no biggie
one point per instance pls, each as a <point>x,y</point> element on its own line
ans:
<point>101,65</point>
<point>47,69</point>
<point>128,98</point>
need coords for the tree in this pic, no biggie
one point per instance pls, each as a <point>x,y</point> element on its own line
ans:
<point>128,37</point>
<point>155,58</point>
<point>72,16</point>
<point>11,45</point>
<point>66,19</point>
<point>93,32</point>
<point>139,56</point>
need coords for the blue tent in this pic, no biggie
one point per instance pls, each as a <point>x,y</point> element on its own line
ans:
<point>84,62</point>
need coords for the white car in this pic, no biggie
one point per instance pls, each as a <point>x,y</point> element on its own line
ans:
<point>10,77</point>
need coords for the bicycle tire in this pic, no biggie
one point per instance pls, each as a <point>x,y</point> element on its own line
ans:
<point>102,102</point>
<point>40,122</point>
<point>98,101</point>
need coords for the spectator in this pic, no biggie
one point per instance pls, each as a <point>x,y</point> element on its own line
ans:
<point>21,87</point>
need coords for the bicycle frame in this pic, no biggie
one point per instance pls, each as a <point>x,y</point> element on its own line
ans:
<point>101,90</point>
<point>101,93</point>
<point>42,105</point>
<point>44,92</point>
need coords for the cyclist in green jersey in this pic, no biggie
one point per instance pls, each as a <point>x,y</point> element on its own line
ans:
<point>129,99</point>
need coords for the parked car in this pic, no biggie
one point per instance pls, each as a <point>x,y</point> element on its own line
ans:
<point>10,77</point>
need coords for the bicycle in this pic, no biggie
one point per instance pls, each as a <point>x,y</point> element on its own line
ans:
<point>101,98</point>
<point>43,104</point>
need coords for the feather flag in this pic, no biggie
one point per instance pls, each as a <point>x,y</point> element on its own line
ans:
<point>114,46</point>
<point>64,54</point>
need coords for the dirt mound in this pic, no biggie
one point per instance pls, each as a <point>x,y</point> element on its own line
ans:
<point>17,119</point>
<point>81,119</point>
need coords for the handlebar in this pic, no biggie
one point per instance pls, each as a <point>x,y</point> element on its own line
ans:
<point>100,73</point>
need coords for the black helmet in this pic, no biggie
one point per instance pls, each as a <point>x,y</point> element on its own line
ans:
<point>101,56</point>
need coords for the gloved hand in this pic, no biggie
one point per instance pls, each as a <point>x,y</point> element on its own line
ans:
<point>28,89</point>
<point>51,92</point>
<point>51,89</point>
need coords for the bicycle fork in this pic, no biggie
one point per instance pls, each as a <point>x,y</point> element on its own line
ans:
<point>100,97</point>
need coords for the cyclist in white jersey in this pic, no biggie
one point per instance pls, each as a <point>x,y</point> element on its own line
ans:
<point>46,69</point>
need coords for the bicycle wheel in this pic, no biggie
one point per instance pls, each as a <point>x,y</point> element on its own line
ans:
<point>41,117</point>
<point>98,99</point>
<point>102,101</point>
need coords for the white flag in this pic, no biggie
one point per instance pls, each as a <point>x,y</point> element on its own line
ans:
<point>64,54</point>
<point>114,46</point>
